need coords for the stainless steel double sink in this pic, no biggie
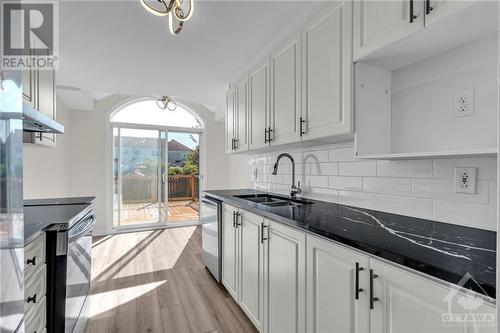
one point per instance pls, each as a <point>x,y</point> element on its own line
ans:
<point>273,200</point>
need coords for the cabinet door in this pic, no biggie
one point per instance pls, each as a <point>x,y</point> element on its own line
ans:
<point>286,92</point>
<point>285,276</point>
<point>258,82</point>
<point>229,251</point>
<point>327,74</point>
<point>230,100</point>
<point>441,9</point>
<point>380,23</point>
<point>241,116</point>
<point>411,303</point>
<point>46,102</point>
<point>331,288</point>
<point>251,267</point>
<point>29,80</point>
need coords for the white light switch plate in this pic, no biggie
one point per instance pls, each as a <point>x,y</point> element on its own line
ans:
<point>465,180</point>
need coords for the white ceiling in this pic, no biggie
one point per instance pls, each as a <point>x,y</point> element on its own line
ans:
<point>118,47</point>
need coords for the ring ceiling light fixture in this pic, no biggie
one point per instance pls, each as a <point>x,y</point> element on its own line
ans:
<point>173,10</point>
<point>166,102</point>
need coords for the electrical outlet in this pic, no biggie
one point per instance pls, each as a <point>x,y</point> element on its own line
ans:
<point>465,180</point>
<point>464,103</point>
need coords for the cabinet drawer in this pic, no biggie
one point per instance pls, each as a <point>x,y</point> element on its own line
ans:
<point>35,321</point>
<point>34,256</point>
<point>35,288</point>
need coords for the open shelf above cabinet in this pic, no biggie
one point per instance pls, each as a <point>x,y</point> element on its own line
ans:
<point>442,105</point>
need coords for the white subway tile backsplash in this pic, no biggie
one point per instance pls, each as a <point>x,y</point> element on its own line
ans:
<point>487,167</point>
<point>317,181</point>
<point>443,189</point>
<point>493,193</point>
<point>342,154</point>
<point>420,188</point>
<point>397,186</point>
<point>326,169</point>
<point>409,169</point>
<point>358,199</point>
<point>346,183</point>
<point>368,168</point>
<point>315,156</point>
<point>473,215</point>
<point>323,194</point>
<point>405,205</point>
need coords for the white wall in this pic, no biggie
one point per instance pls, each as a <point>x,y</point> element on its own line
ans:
<point>420,188</point>
<point>47,171</point>
<point>78,165</point>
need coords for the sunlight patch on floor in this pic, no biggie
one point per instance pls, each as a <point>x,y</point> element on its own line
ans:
<point>108,300</point>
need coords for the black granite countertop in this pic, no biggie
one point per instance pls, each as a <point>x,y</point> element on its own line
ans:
<point>40,214</point>
<point>442,250</point>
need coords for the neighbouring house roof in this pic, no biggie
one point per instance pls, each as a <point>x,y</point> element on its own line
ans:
<point>174,145</point>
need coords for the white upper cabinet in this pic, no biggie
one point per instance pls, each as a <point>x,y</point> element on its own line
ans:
<point>404,302</point>
<point>258,115</point>
<point>286,93</point>
<point>327,74</point>
<point>380,23</point>
<point>438,10</point>
<point>241,142</point>
<point>229,121</point>
<point>337,285</point>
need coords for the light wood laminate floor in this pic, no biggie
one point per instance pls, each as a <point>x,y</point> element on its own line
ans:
<point>155,281</point>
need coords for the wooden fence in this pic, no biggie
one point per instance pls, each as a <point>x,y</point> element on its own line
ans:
<point>138,189</point>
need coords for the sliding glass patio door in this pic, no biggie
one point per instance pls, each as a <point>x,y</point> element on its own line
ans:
<point>155,177</point>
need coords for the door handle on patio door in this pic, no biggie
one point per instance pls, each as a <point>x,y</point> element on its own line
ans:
<point>164,177</point>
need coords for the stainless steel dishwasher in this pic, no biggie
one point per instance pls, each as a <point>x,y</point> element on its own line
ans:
<point>211,238</point>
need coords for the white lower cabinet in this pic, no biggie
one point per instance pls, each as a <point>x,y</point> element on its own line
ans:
<point>337,288</point>
<point>230,250</point>
<point>285,268</point>
<point>407,302</point>
<point>269,268</point>
<point>252,267</point>
<point>243,261</point>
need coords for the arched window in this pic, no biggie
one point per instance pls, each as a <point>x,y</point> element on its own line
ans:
<point>148,113</point>
<point>156,164</point>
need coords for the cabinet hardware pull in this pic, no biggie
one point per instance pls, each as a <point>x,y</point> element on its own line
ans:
<point>235,144</point>
<point>31,261</point>
<point>269,131</point>
<point>265,135</point>
<point>31,299</point>
<point>358,289</point>
<point>302,121</point>
<point>262,238</point>
<point>237,216</point>
<point>232,144</point>
<point>412,14</point>
<point>428,7</point>
<point>372,299</point>
<point>234,219</point>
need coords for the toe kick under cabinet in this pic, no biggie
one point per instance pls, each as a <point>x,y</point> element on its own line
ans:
<point>35,283</point>
<point>288,281</point>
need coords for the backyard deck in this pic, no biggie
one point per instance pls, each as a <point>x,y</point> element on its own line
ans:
<point>178,211</point>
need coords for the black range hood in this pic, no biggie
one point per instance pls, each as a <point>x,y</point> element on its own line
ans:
<point>36,121</point>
